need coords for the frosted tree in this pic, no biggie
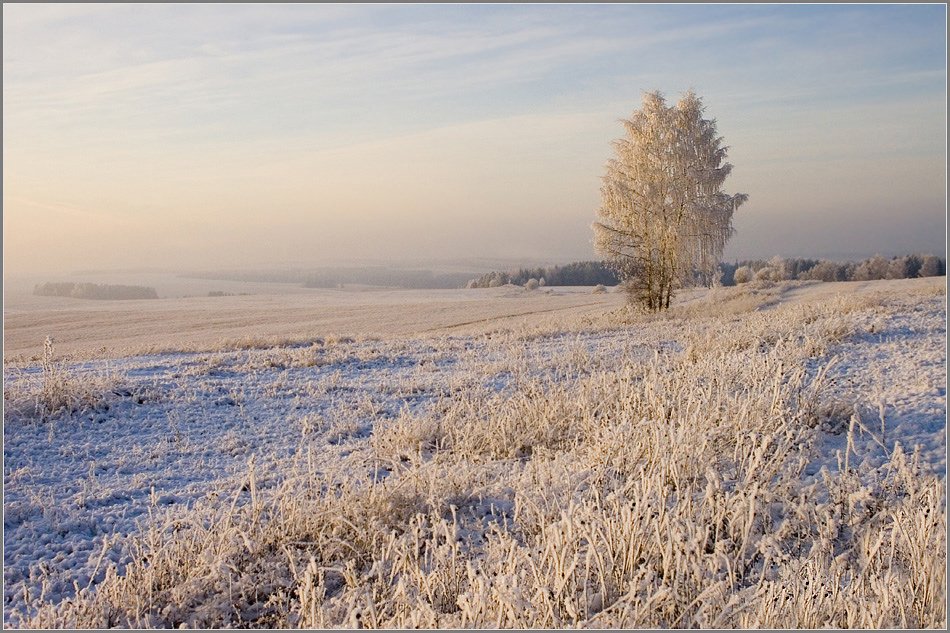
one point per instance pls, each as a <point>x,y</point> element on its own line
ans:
<point>775,270</point>
<point>898,268</point>
<point>664,219</point>
<point>827,271</point>
<point>930,266</point>
<point>743,275</point>
<point>872,269</point>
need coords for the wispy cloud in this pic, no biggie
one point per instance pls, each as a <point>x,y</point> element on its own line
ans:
<point>57,211</point>
<point>472,113</point>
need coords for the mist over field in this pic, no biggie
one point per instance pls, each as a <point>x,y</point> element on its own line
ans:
<point>474,316</point>
<point>192,137</point>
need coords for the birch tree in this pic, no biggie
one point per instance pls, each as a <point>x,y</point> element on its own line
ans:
<point>664,219</point>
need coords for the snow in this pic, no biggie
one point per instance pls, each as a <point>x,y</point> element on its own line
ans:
<point>91,329</point>
<point>182,427</point>
<point>896,367</point>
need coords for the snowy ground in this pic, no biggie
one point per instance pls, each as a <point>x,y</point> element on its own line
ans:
<point>896,365</point>
<point>176,428</point>
<point>276,313</point>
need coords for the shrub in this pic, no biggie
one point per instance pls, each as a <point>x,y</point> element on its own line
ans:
<point>743,275</point>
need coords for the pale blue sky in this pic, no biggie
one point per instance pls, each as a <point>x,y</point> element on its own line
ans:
<point>227,135</point>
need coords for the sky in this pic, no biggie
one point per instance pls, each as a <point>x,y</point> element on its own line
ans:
<point>238,136</point>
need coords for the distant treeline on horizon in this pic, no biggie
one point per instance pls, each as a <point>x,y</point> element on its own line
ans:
<point>94,291</point>
<point>872,268</point>
<point>337,277</point>
<point>588,273</point>
<point>591,273</point>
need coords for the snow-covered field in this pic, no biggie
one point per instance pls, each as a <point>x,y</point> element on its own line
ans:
<point>275,313</point>
<point>771,457</point>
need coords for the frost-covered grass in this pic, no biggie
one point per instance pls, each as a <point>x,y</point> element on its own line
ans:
<point>745,461</point>
<point>56,391</point>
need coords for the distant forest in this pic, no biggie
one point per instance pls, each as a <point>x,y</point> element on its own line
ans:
<point>877,267</point>
<point>337,277</point>
<point>585,273</point>
<point>388,277</point>
<point>591,273</point>
<point>588,273</point>
<point>94,291</point>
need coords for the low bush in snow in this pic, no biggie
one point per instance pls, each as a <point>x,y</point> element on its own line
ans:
<point>55,391</point>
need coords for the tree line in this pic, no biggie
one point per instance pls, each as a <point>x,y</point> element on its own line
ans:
<point>592,273</point>
<point>94,291</point>
<point>872,268</point>
<point>336,277</point>
<point>386,277</point>
<point>589,273</point>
